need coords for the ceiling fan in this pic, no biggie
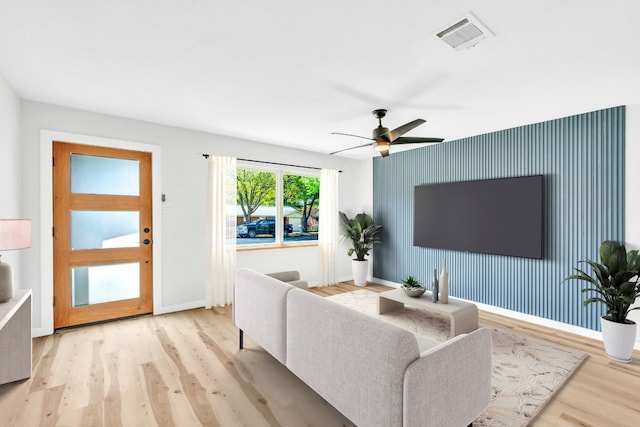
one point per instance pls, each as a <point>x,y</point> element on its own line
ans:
<point>383,138</point>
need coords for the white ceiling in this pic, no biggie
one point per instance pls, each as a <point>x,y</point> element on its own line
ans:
<point>290,72</point>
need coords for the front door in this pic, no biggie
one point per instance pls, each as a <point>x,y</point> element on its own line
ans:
<point>102,234</point>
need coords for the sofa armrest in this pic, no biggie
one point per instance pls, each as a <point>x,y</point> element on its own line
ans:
<point>450,384</point>
<point>285,276</point>
<point>259,309</point>
<point>300,284</point>
<point>290,277</point>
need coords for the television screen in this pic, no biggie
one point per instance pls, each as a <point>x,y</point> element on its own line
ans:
<point>494,216</point>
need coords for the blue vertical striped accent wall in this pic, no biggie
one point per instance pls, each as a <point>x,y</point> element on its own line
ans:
<point>582,160</point>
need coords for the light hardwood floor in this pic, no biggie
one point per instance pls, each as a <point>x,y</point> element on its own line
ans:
<point>185,369</point>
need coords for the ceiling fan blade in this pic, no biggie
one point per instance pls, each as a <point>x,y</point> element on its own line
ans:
<point>355,136</point>
<point>384,153</point>
<point>352,148</point>
<point>360,95</point>
<point>416,140</point>
<point>398,132</point>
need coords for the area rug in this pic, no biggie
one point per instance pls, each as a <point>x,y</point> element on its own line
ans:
<point>526,371</point>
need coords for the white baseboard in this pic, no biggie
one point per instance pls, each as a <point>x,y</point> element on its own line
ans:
<point>536,320</point>
<point>345,279</point>
<point>178,307</point>
<point>40,332</point>
<point>386,282</point>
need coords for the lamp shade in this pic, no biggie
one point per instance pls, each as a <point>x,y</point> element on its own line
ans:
<point>381,146</point>
<point>15,234</point>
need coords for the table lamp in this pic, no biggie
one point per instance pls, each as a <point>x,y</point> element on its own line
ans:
<point>14,234</point>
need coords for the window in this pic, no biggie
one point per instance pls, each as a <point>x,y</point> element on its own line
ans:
<point>276,207</point>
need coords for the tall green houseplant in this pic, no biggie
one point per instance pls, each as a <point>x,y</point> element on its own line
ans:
<point>616,283</point>
<point>362,232</point>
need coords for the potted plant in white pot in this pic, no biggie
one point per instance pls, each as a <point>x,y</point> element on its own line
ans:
<point>616,284</point>
<point>362,232</point>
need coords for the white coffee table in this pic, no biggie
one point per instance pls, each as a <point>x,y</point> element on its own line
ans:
<point>463,315</point>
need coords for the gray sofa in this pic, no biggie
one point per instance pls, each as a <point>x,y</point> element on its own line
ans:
<point>374,373</point>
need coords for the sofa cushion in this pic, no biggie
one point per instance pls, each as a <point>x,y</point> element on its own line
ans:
<point>354,361</point>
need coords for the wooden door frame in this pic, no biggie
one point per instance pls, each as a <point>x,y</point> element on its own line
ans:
<point>66,313</point>
<point>46,217</point>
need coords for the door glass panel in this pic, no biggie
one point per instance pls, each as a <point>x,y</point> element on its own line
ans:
<point>104,283</point>
<point>104,229</point>
<point>104,175</point>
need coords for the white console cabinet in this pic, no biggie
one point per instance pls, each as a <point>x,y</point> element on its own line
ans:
<point>15,337</point>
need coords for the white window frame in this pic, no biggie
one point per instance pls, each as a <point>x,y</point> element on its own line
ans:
<point>280,171</point>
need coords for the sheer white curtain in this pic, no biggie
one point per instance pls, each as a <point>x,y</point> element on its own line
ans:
<point>329,228</point>
<point>221,231</point>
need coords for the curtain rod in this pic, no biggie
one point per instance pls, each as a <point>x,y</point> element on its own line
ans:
<point>206,156</point>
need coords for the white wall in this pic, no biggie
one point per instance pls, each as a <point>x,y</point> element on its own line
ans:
<point>632,190</point>
<point>10,168</point>
<point>183,177</point>
<point>359,200</point>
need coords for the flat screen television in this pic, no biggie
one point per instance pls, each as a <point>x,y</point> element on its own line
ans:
<point>494,216</point>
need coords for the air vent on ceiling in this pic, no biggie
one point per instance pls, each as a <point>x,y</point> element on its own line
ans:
<point>465,33</point>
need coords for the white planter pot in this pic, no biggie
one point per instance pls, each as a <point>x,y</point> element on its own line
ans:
<point>360,270</point>
<point>619,339</point>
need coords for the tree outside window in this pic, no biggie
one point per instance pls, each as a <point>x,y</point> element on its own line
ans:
<point>303,194</point>
<point>255,188</point>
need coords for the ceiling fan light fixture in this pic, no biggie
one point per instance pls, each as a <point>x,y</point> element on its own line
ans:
<point>383,138</point>
<point>382,146</point>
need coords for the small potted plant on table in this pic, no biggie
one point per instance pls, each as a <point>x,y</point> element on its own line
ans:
<point>412,287</point>
<point>616,284</point>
